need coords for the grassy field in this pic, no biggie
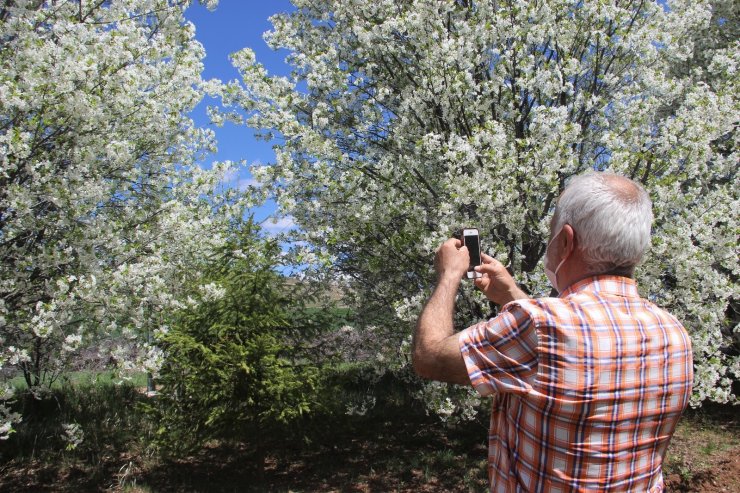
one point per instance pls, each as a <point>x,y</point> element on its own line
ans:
<point>396,448</point>
<point>85,379</point>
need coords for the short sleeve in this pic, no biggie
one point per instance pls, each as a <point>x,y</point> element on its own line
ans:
<point>501,353</point>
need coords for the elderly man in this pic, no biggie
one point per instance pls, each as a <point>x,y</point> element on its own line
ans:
<point>587,387</point>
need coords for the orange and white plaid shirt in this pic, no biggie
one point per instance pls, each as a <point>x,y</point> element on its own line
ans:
<point>587,388</point>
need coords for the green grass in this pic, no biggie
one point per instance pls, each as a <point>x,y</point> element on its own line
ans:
<point>85,378</point>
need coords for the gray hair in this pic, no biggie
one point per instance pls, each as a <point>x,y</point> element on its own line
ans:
<point>611,216</point>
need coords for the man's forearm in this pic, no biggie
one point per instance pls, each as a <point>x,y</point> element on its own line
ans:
<point>436,320</point>
<point>435,325</point>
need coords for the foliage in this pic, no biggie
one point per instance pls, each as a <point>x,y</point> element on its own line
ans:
<point>87,420</point>
<point>404,120</point>
<point>103,210</point>
<point>232,370</point>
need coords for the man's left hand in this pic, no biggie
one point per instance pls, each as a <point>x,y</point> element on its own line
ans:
<point>452,259</point>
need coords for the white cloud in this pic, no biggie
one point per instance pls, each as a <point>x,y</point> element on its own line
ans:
<point>230,176</point>
<point>280,225</point>
<point>245,183</point>
<point>238,177</point>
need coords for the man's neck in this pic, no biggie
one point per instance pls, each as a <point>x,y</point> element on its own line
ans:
<point>575,270</point>
<point>628,273</point>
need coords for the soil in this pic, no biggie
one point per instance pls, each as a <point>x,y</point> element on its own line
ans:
<point>704,455</point>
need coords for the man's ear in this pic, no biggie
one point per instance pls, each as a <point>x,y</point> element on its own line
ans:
<point>568,240</point>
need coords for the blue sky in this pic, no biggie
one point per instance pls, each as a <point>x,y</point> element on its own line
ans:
<point>236,24</point>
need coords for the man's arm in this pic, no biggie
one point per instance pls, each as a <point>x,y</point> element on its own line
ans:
<point>436,354</point>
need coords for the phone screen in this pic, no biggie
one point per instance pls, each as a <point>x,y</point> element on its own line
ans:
<point>473,245</point>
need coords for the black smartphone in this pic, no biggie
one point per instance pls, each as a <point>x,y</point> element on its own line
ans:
<point>472,241</point>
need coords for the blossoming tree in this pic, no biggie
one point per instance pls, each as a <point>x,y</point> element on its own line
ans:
<point>103,210</point>
<point>405,120</point>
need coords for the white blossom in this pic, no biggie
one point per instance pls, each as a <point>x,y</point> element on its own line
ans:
<point>212,291</point>
<point>71,342</point>
<point>73,435</point>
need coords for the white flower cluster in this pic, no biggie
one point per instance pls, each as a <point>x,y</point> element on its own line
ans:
<point>71,342</point>
<point>73,435</point>
<point>451,404</point>
<point>15,356</point>
<point>7,417</point>
<point>212,291</point>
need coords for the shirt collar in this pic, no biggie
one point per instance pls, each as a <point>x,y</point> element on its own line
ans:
<point>606,284</point>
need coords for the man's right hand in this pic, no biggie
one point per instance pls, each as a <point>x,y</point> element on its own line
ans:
<point>496,282</point>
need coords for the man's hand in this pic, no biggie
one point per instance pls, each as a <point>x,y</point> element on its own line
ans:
<point>496,282</point>
<point>452,259</point>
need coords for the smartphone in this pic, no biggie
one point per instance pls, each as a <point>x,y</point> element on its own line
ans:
<point>472,241</point>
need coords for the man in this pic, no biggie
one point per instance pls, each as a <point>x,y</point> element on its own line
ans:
<point>587,387</point>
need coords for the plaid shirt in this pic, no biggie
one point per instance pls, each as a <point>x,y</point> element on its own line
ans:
<point>587,388</point>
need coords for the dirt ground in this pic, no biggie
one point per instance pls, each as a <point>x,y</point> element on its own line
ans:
<point>375,456</point>
<point>704,455</point>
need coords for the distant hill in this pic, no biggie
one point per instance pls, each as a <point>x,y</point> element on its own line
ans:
<point>333,291</point>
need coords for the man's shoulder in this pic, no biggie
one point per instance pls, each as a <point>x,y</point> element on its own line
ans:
<point>536,307</point>
<point>583,302</point>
